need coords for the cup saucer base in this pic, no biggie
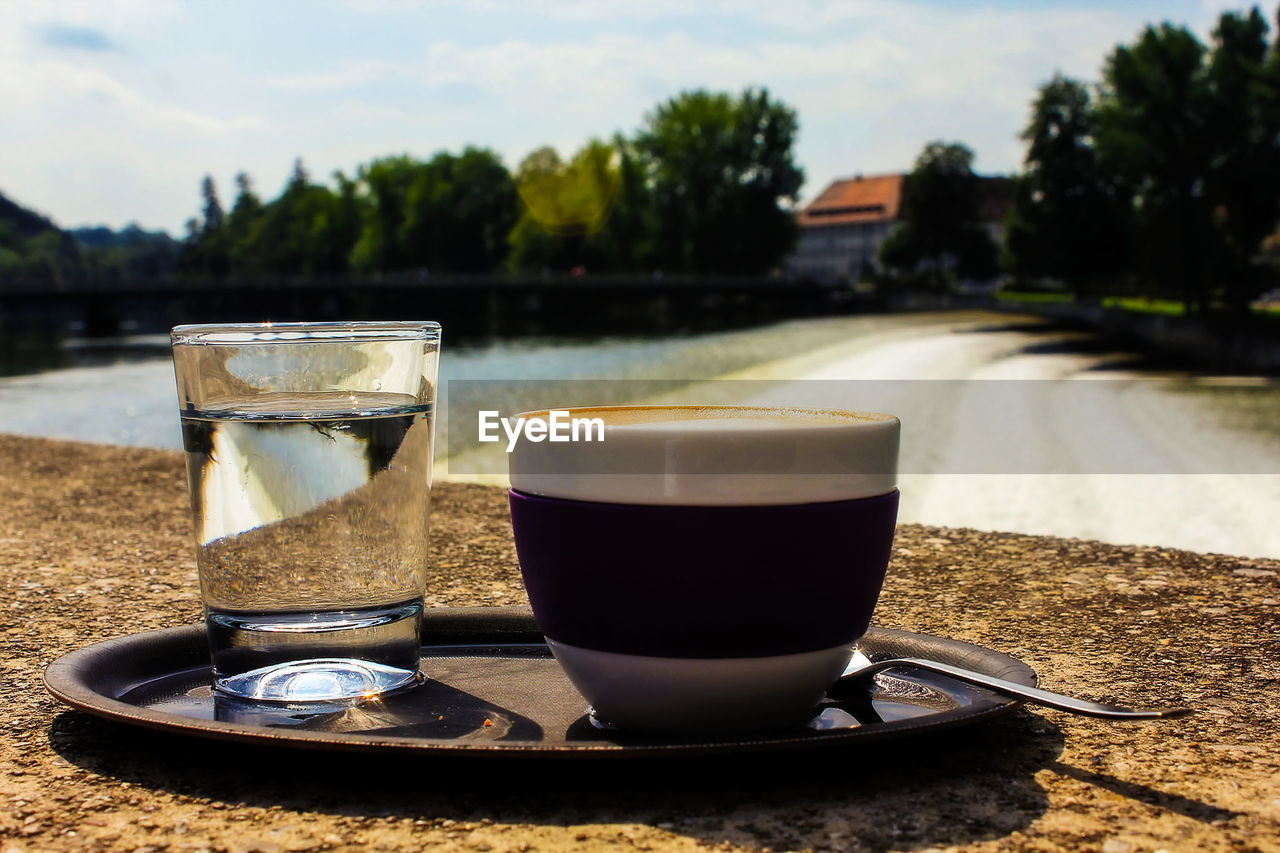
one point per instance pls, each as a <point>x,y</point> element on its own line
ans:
<point>644,694</point>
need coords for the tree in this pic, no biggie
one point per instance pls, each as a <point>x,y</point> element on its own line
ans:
<point>1244,167</point>
<point>206,251</point>
<point>244,216</point>
<point>212,207</point>
<point>48,256</point>
<point>299,177</point>
<point>723,180</point>
<point>939,233</point>
<point>632,225</point>
<point>308,229</point>
<point>33,248</point>
<point>1195,131</point>
<point>125,256</point>
<point>540,239</point>
<point>458,212</point>
<point>383,189</point>
<point>452,212</point>
<point>1068,221</point>
<point>347,217</point>
<point>572,214</point>
<point>1153,135</point>
<point>1179,156</point>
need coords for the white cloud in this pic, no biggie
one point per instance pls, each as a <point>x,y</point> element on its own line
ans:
<point>92,88</point>
<point>345,75</point>
<point>99,138</point>
<point>602,11</point>
<point>893,74</point>
<point>383,6</point>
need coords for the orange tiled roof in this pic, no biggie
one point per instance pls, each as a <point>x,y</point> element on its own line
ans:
<point>860,199</point>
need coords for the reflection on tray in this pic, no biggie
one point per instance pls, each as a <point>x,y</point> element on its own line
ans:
<point>441,712</point>
<point>433,710</point>
<point>488,693</point>
<point>889,700</point>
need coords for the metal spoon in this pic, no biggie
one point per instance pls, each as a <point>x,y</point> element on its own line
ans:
<point>861,668</point>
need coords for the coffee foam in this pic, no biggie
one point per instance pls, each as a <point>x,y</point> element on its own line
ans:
<point>718,417</point>
<point>713,455</point>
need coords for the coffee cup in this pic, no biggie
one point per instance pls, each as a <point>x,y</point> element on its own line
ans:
<point>704,568</point>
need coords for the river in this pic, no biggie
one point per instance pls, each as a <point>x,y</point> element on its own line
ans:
<point>1005,426</point>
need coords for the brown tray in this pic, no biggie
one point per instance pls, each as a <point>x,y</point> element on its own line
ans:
<point>493,689</point>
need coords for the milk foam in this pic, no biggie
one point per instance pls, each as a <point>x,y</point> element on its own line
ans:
<point>719,417</point>
<point>714,455</point>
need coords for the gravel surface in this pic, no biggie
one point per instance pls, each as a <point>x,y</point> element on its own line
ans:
<point>95,543</point>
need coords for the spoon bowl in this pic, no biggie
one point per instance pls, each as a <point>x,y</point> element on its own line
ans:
<point>862,669</point>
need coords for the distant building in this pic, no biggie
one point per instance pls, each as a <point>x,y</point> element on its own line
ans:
<point>841,230</point>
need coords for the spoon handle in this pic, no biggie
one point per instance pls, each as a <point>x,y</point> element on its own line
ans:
<point>1030,694</point>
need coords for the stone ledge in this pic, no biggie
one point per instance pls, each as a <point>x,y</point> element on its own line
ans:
<point>95,542</point>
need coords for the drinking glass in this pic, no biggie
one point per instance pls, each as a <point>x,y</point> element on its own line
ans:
<point>308,451</point>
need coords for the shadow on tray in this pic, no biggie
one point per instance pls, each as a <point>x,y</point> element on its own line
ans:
<point>948,787</point>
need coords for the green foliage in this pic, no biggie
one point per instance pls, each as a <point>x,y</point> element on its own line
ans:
<point>590,213</point>
<point>17,222</point>
<point>452,212</point>
<point>1033,297</point>
<point>1171,176</point>
<point>1154,137</point>
<point>245,213</point>
<point>573,197</point>
<point>1244,174</point>
<point>50,257</point>
<point>939,235</point>
<point>383,189</point>
<point>631,231</point>
<point>206,249</point>
<point>212,207</point>
<point>1168,307</point>
<point>34,250</point>
<point>723,181</point>
<point>706,186</point>
<point>126,256</point>
<point>1069,218</point>
<point>308,229</point>
<point>459,210</point>
<point>547,234</point>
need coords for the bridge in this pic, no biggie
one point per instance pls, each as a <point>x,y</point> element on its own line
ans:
<point>469,305</point>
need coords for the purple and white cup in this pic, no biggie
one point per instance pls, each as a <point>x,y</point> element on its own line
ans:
<point>705,568</point>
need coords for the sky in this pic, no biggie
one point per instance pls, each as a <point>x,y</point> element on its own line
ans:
<point>112,111</point>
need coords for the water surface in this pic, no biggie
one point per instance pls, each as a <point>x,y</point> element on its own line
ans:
<point>1198,435</point>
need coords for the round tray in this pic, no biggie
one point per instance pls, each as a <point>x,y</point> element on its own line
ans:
<point>493,689</point>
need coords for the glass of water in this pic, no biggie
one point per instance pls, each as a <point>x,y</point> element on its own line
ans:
<point>309,462</point>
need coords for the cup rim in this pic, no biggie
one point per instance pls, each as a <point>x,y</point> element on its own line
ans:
<point>242,334</point>
<point>839,418</point>
<point>641,507</point>
<point>850,455</point>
